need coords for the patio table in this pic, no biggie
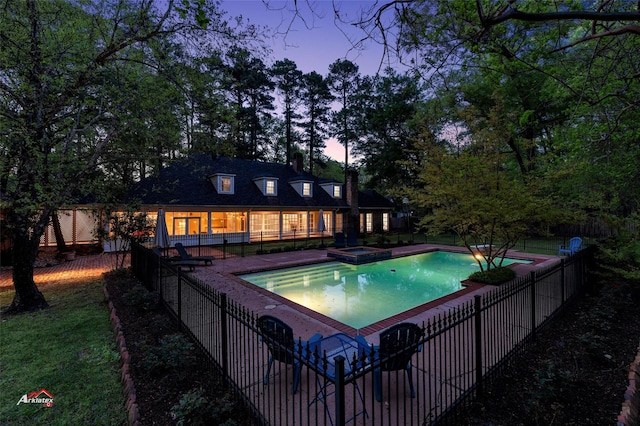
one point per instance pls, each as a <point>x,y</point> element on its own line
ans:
<point>339,344</point>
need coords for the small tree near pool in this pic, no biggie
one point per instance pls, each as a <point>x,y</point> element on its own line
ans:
<point>124,228</point>
<point>476,194</point>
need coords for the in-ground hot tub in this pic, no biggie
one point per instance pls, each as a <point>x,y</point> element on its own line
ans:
<point>359,255</point>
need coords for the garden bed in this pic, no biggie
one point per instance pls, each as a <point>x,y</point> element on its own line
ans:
<point>173,379</point>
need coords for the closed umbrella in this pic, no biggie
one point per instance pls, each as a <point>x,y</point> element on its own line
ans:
<point>161,237</point>
<point>321,225</point>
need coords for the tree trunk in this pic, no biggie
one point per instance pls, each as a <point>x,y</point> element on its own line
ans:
<point>24,252</point>
<point>57,230</point>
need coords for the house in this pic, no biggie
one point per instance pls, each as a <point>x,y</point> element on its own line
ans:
<point>207,200</point>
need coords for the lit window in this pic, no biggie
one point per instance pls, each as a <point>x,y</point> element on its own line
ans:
<point>225,184</point>
<point>306,189</point>
<point>271,187</point>
<point>336,191</point>
<point>385,221</point>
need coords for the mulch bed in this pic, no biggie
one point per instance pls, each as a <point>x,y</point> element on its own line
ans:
<point>576,373</point>
<point>158,388</point>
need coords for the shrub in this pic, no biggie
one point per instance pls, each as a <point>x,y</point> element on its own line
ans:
<point>551,383</point>
<point>160,325</point>
<point>143,299</point>
<point>195,409</point>
<point>175,352</point>
<point>493,276</point>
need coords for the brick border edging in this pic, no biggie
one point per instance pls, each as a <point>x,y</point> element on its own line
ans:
<point>630,413</point>
<point>128,386</point>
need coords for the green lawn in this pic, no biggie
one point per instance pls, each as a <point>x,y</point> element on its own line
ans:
<point>69,350</point>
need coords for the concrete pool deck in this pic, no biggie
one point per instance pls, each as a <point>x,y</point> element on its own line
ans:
<point>305,322</point>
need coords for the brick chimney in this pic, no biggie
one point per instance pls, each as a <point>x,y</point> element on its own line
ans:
<point>351,193</point>
<point>351,190</point>
<point>297,162</point>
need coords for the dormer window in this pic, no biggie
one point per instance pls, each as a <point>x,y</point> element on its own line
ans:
<point>223,183</point>
<point>333,188</point>
<point>268,186</point>
<point>304,188</point>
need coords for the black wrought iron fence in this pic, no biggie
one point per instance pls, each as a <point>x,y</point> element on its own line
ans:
<point>223,246</point>
<point>460,352</point>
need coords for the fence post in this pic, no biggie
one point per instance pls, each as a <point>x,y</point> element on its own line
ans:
<point>179,298</point>
<point>478,337</point>
<point>223,335</point>
<point>159,266</point>
<point>224,246</point>
<point>562,284</point>
<point>532,275</point>
<point>339,360</point>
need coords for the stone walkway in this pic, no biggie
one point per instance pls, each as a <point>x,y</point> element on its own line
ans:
<point>82,268</point>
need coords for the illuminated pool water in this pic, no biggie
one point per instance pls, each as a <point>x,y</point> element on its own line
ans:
<point>360,295</point>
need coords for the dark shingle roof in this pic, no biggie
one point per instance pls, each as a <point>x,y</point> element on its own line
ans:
<point>187,183</point>
<point>370,198</point>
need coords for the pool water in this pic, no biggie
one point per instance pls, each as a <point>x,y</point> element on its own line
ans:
<point>360,295</point>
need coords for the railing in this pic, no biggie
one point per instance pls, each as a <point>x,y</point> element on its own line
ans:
<point>224,245</point>
<point>462,350</point>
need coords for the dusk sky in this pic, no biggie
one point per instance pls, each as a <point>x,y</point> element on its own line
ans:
<point>316,45</point>
<point>322,41</point>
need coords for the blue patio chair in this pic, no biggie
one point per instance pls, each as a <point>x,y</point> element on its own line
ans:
<point>339,240</point>
<point>174,261</point>
<point>397,346</point>
<point>278,337</point>
<point>574,246</point>
<point>352,239</point>
<point>186,256</point>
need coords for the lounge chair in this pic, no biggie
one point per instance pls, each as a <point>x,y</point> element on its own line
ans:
<point>574,246</point>
<point>339,240</point>
<point>186,256</point>
<point>191,264</point>
<point>278,337</point>
<point>352,239</point>
<point>397,346</point>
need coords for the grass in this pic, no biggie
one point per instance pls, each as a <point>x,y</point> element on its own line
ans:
<point>69,350</point>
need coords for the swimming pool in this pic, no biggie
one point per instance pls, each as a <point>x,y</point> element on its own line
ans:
<point>360,295</point>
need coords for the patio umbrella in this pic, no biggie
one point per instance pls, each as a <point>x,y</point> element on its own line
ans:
<point>321,225</point>
<point>161,237</point>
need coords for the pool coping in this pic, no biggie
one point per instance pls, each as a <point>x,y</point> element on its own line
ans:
<point>434,306</point>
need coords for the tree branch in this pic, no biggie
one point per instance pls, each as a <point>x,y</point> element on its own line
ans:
<point>509,13</point>
<point>626,29</point>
